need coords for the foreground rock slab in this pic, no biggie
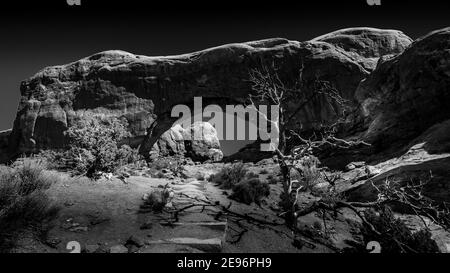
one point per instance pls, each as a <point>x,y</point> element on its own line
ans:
<point>213,245</point>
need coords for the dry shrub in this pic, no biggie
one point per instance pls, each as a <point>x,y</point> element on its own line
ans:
<point>250,191</point>
<point>157,199</point>
<point>24,203</point>
<point>309,170</point>
<point>246,186</point>
<point>395,236</point>
<point>230,175</point>
<point>94,146</point>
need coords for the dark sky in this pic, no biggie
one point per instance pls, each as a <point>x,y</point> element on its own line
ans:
<point>44,33</point>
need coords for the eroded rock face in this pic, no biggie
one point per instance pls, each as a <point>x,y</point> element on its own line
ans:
<point>4,139</point>
<point>407,94</point>
<point>144,89</point>
<point>425,160</point>
<point>199,142</point>
<point>367,44</point>
<point>171,143</point>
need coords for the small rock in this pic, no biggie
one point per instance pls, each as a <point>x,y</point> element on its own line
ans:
<point>372,171</point>
<point>108,176</point>
<point>354,165</point>
<point>118,249</point>
<point>136,241</point>
<point>79,229</point>
<point>350,167</point>
<point>145,196</point>
<point>91,248</point>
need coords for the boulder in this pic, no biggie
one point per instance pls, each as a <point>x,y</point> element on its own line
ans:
<point>198,142</point>
<point>203,143</point>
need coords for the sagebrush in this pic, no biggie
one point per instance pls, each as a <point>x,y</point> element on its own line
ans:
<point>230,175</point>
<point>250,191</point>
<point>24,203</point>
<point>395,236</point>
<point>246,186</point>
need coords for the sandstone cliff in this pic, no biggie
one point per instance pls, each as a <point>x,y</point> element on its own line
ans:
<point>144,89</point>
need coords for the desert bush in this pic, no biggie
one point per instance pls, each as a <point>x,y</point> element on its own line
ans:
<point>54,159</point>
<point>24,204</point>
<point>317,225</point>
<point>308,171</point>
<point>94,142</point>
<point>395,236</point>
<point>230,175</point>
<point>246,186</point>
<point>250,191</point>
<point>157,199</point>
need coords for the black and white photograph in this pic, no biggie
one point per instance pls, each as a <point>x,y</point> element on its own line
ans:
<point>232,128</point>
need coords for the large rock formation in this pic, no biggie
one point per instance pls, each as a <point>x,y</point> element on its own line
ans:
<point>408,93</point>
<point>370,43</point>
<point>405,110</point>
<point>144,89</point>
<point>4,139</point>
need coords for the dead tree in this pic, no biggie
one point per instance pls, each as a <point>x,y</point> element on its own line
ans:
<point>270,89</point>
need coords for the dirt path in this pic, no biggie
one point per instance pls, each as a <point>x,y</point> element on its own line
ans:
<point>105,213</point>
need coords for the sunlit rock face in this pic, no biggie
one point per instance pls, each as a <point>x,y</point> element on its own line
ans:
<point>199,142</point>
<point>408,93</point>
<point>367,45</point>
<point>144,89</point>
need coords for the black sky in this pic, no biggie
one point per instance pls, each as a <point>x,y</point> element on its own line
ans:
<point>43,33</point>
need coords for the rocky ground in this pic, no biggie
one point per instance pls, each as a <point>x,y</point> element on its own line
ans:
<point>107,215</point>
<point>103,215</point>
